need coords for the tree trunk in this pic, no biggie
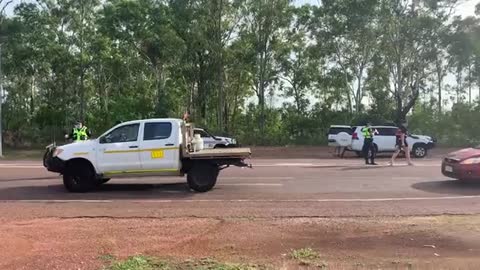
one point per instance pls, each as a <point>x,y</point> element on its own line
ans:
<point>220,69</point>
<point>439,85</point>
<point>32,96</point>
<point>469,84</point>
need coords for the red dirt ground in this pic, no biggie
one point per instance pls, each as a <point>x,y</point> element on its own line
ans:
<point>394,243</point>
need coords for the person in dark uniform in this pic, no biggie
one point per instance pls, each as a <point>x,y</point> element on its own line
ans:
<point>368,148</point>
<point>401,144</point>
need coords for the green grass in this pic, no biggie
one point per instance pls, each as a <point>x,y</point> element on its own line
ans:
<point>305,254</point>
<point>31,154</point>
<point>150,263</point>
<point>107,257</point>
<point>308,257</point>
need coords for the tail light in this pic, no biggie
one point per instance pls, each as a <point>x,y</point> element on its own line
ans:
<point>354,136</point>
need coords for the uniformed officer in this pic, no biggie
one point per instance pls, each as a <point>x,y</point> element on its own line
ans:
<point>368,146</point>
<point>79,133</point>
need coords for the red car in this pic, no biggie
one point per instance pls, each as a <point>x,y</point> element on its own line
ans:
<point>463,164</point>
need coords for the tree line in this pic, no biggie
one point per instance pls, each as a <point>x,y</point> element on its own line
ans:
<point>266,71</point>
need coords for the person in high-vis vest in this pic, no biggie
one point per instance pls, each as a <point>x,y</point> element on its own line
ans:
<point>368,148</point>
<point>79,133</point>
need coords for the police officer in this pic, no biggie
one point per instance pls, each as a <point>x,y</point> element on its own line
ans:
<point>368,146</point>
<point>79,133</point>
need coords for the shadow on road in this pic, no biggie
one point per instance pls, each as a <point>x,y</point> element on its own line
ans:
<point>28,179</point>
<point>449,187</point>
<point>107,191</point>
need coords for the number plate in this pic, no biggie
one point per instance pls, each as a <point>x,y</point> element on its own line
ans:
<point>157,154</point>
<point>448,169</point>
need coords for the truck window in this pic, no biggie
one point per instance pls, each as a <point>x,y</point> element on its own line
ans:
<point>127,133</point>
<point>157,131</point>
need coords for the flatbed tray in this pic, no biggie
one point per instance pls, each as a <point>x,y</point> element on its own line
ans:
<point>221,153</point>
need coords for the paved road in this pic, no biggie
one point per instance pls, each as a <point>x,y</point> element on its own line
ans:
<point>274,188</point>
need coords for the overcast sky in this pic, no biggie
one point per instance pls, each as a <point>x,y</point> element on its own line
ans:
<point>466,8</point>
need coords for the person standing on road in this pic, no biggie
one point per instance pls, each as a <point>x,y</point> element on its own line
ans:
<point>401,144</point>
<point>368,148</point>
<point>79,133</point>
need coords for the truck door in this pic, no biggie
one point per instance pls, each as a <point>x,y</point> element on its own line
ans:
<point>118,151</point>
<point>160,151</point>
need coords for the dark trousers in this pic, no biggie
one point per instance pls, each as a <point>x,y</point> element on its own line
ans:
<point>368,150</point>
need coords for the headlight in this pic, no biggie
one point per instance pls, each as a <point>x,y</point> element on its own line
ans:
<point>57,152</point>
<point>470,161</point>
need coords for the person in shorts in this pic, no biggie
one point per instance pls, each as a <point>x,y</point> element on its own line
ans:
<point>401,144</point>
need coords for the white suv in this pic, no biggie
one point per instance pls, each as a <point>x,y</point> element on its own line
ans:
<point>210,141</point>
<point>385,141</point>
<point>340,135</point>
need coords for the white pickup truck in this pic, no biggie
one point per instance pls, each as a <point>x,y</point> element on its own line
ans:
<point>151,147</point>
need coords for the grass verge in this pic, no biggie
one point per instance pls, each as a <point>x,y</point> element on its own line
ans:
<point>149,263</point>
<point>308,257</point>
<point>31,154</point>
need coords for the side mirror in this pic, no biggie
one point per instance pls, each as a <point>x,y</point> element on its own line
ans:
<point>102,140</point>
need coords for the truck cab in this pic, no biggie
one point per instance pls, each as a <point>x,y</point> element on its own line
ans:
<point>151,147</point>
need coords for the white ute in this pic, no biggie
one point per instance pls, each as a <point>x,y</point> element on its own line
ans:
<point>151,147</point>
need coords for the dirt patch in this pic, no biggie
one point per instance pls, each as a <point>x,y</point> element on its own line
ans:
<point>395,243</point>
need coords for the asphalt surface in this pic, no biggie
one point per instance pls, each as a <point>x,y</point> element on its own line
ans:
<point>273,188</point>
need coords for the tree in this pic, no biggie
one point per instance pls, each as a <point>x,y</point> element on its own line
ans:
<point>299,60</point>
<point>349,29</point>
<point>263,21</point>
<point>407,43</point>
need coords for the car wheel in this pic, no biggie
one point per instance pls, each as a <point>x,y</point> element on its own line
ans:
<point>419,151</point>
<point>79,177</point>
<point>202,177</point>
<point>359,153</point>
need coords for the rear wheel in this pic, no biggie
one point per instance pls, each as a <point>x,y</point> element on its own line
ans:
<point>419,151</point>
<point>202,177</point>
<point>79,177</point>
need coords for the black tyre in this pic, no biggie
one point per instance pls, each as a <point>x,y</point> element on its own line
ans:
<point>202,177</point>
<point>79,177</point>
<point>45,156</point>
<point>419,151</point>
<point>359,153</point>
<point>102,181</point>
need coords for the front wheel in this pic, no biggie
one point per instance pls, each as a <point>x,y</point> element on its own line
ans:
<point>79,177</point>
<point>202,177</point>
<point>419,151</point>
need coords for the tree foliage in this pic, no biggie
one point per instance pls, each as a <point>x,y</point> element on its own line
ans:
<point>267,71</point>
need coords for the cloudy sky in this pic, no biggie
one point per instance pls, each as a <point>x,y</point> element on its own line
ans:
<point>466,7</point>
